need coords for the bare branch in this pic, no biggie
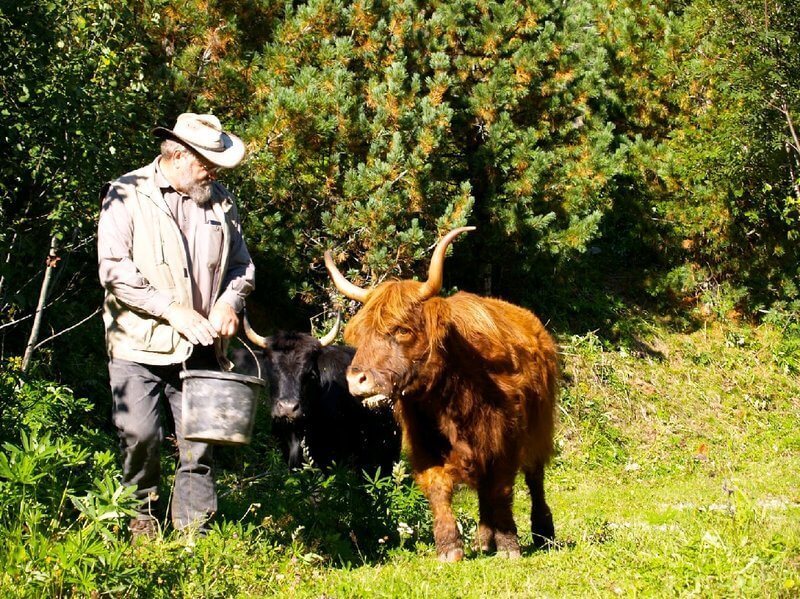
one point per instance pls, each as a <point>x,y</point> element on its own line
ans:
<point>17,321</point>
<point>68,329</point>
<point>52,260</point>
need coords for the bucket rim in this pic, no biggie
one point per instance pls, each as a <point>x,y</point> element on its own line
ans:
<point>219,375</point>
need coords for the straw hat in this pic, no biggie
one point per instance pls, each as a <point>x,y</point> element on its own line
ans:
<point>203,134</point>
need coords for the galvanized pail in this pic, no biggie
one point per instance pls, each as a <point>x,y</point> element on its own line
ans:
<point>219,407</point>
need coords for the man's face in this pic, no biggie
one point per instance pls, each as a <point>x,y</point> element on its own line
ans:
<point>196,176</point>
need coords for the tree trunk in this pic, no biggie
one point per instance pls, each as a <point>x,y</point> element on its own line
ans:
<point>52,260</point>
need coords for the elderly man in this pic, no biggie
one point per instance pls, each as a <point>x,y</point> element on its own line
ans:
<point>176,272</point>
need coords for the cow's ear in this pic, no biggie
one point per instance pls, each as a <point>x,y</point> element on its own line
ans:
<point>438,324</point>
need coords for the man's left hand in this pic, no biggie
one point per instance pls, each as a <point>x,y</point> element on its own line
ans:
<point>224,319</point>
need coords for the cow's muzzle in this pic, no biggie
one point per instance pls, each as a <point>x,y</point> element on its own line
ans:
<point>290,410</point>
<point>362,385</point>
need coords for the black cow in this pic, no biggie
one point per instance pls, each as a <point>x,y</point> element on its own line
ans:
<point>311,402</point>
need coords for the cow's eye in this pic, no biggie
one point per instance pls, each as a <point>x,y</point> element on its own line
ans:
<point>402,334</point>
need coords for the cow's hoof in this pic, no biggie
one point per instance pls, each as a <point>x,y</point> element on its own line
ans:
<point>540,542</point>
<point>507,544</point>
<point>452,555</point>
<point>485,545</point>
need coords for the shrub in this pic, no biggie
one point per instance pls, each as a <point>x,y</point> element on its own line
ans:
<point>339,514</point>
<point>61,509</point>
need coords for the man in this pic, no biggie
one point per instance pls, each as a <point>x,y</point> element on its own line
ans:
<point>176,272</point>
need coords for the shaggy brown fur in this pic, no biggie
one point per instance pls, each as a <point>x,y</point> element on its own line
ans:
<point>473,381</point>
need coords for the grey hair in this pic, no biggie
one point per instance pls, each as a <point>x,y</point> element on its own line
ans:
<point>169,147</point>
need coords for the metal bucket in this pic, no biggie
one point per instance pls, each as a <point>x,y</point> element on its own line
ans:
<point>220,407</point>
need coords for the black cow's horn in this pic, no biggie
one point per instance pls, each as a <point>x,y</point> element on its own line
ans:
<point>330,337</point>
<point>253,336</point>
<point>348,289</point>
<point>433,285</point>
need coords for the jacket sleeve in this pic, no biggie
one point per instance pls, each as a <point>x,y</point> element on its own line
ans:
<point>239,279</point>
<point>118,273</point>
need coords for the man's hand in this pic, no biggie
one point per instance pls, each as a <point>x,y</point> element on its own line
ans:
<point>224,319</point>
<point>191,324</point>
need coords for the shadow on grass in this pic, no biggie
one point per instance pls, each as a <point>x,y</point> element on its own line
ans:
<point>531,549</point>
<point>338,515</point>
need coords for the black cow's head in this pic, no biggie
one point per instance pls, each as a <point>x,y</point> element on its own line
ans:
<point>294,380</point>
<point>293,372</point>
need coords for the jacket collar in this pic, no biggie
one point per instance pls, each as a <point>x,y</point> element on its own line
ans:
<point>149,187</point>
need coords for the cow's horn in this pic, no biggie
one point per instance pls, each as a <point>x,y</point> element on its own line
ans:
<point>330,337</point>
<point>348,289</point>
<point>433,285</point>
<point>253,336</point>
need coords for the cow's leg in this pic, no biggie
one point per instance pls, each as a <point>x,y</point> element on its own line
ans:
<point>437,485</point>
<point>495,501</point>
<point>541,517</point>
<point>485,537</point>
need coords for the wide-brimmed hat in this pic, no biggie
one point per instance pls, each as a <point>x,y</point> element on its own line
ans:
<point>203,134</point>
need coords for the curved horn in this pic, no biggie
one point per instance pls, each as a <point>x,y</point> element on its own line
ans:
<point>330,337</point>
<point>252,335</point>
<point>348,289</point>
<point>435,271</point>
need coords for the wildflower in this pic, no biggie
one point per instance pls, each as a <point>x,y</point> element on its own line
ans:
<point>404,530</point>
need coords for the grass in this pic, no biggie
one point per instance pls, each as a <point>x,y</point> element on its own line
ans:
<point>677,474</point>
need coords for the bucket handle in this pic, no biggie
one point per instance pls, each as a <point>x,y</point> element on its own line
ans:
<point>225,364</point>
<point>255,358</point>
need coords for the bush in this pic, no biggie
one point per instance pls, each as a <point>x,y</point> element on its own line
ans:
<point>341,515</point>
<point>30,404</point>
<point>61,511</point>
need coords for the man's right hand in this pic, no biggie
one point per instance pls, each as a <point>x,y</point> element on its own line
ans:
<point>191,324</point>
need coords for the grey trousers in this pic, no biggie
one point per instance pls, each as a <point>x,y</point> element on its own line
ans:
<point>138,391</point>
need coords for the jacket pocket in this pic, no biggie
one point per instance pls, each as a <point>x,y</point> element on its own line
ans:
<point>210,243</point>
<point>163,338</point>
<point>133,330</point>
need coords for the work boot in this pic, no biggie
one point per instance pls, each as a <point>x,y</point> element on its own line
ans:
<point>143,529</point>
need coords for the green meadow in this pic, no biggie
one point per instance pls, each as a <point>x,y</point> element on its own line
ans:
<point>676,475</point>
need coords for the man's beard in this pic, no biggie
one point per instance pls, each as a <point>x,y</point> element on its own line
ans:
<point>201,192</point>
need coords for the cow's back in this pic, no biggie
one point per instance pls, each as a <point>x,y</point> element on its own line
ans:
<point>521,358</point>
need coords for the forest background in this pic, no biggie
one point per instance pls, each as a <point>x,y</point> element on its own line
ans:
<point>619,158</point>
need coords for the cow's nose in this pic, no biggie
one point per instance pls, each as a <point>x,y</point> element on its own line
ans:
<point>286,409</point>
<point>360,381</point>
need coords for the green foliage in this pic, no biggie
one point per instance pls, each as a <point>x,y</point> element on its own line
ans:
<point>373,128</point>
<point>78,98</point>
<point>61,504</point>
<point>35,405</point>
<point>340,515</point>
<point>61,510</point>
<point>786,354</point>
<point>723,167</point>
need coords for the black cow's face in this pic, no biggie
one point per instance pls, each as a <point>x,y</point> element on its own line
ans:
<point>294,377</point>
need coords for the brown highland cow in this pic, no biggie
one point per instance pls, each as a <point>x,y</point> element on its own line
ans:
<point>473,383</point>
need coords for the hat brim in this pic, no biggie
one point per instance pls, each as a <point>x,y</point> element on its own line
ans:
<point>229,157</point>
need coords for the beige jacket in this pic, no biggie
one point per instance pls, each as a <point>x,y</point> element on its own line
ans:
<point>139,333</point>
